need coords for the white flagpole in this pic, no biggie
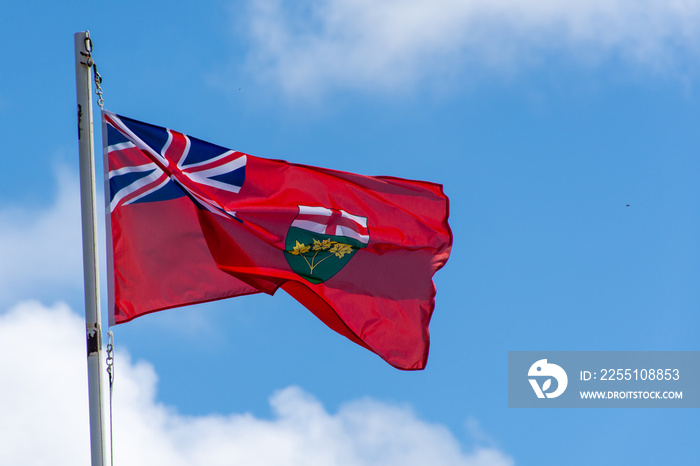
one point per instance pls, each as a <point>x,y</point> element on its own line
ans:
<point>83,75</point>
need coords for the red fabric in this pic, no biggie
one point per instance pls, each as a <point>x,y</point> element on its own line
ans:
<point>383,297</point>
<point>180,251</point>
<point>161,261</point>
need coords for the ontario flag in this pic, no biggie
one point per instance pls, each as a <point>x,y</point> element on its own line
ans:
<point>191,222</point>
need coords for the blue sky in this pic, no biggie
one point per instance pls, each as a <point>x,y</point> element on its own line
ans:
<point>566,135</point>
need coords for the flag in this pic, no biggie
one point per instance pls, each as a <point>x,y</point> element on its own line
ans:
<point>193,222</point>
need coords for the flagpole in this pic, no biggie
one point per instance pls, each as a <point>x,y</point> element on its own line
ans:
<point>88,207</point>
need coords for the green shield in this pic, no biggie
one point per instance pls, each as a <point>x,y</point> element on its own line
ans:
<point>317,257</point>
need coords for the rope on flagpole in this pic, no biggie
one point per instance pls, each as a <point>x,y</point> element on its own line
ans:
<point>110,371</point>
<point>90,62</point>
<point>98,86</point>
<point>110,342</point>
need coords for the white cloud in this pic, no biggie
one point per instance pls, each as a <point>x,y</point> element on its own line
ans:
<point>43,391</point>
<point>40,248</point>
<point>385,45</point>
<point>43,401</point>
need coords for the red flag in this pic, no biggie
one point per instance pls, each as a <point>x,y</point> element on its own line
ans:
<point>359,252</point>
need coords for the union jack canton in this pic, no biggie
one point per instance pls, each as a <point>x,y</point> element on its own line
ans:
<point>148,163</point>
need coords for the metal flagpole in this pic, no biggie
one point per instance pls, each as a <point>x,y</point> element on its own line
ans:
<point>83,75</point>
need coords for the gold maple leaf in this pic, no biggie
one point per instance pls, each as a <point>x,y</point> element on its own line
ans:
<point>300,249</point>
<point>322,245</point>
<point>340,249</point>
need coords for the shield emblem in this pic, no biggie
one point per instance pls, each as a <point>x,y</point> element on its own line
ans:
<point>321,241</point>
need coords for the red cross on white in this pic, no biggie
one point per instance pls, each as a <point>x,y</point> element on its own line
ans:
<point>332,222</point>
